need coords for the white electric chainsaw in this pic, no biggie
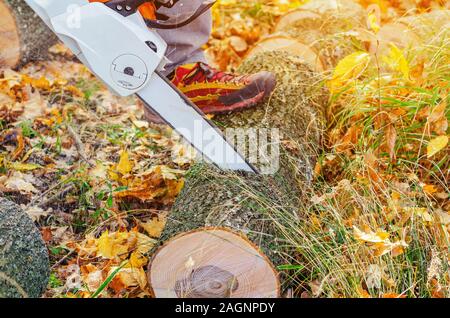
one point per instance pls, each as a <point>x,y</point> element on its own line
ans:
<point>123,50</point>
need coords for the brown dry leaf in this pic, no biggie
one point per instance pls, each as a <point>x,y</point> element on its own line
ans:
<point>93,279</point>
<point>128,277</point>
<point>35,212</point>
<point>21,182</point>
<point>349,140</point>
<point>391,138</point>
<point>34,107</point>
<point>20,146</point>
<point>374,275</point>
<point>437,120</point>
<point>46,234</point>
<point>158,184</point>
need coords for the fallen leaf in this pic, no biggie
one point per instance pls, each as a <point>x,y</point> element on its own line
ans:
<point>380,243</point>
<point>155,226</point>
<point>124,166</point>
<point>397,61</point>
<point>393,295</point>
<point>349,68</point>
<point>128,277</point>
<point>35,212</point>
<point>391,138</point>
<point>370,237</point>
<point>20,182</point>
<point>20,146</point>
<point>435,145</point>
<point>19,166</point>
<point>374,275</point>
<point>111,245</point>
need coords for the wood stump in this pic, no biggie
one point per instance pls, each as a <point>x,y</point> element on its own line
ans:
<point>212,263</point>
<point>23,35</point>
<point>24,263</point>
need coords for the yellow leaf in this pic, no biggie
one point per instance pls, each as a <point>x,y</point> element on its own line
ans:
<point>397,61</point>
<point>436,145</point>
<point>379,242</point>
<point>114,244</point>
<point>137,260</point>
<point>349,68</point>
<point>144,243</point>
<point>420,212</point>
<point>370,237</point>
<point>104,245</point>
<point>373,22</point>
<point>24,166</point>
<point>154,227</point>
<point>124,166</point>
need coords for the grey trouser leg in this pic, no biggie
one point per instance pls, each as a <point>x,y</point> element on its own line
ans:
<point>185,43</point>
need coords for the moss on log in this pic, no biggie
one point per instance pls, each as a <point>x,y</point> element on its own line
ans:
<point>259,205</point>
<point>24,263</point>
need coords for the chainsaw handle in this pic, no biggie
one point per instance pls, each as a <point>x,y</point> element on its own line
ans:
<point>156,24</point>
<point>125,7</point>
<point>129,7</point>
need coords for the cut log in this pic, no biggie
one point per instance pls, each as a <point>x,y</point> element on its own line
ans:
<point>411,31</point>
<point>24,263</point>
<point>341,7</point>
<point>212,263</point>
<point>327,27</point>
<point>289,45</point>
<point>428,25</point>
<point>295,17</point>
<point>23,35</point>
<point>396,33</point>
<point>259,206</point>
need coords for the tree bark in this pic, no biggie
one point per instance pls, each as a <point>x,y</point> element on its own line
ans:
<point>260,205</point>
<point>23,35</point>
<point>24,263</point>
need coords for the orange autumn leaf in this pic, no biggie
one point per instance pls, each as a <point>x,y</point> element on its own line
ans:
<point>20,146</point>
<point>155,226</point>
<point>393,295</point>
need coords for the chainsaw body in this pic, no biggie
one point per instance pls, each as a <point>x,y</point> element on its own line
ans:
<point>124,50</point>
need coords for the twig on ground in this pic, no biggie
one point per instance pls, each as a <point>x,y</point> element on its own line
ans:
<point>79,145</point>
